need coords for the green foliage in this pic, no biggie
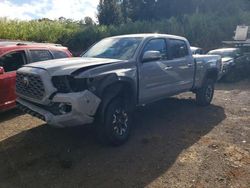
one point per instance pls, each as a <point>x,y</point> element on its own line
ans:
<point>36,30</point>
<point>109,12</point>
<point>204,30</point>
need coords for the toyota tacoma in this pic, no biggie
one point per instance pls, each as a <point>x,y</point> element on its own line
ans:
<point>111,79</point>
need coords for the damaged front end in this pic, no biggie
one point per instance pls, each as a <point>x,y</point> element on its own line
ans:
<point>66,101</point>
<point>68,95</point>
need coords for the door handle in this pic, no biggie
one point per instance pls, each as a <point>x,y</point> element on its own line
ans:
<point>190,64</point>
<point>168,67</point>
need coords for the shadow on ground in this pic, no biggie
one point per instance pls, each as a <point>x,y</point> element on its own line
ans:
<point>10,114</point>
<point>47,157</point>
<point>242,85</point>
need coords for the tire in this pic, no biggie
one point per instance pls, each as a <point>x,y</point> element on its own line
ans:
<point>116,126</point>
<point>204,95</point>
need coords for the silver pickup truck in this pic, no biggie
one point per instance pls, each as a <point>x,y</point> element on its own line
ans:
<point>114,76</point>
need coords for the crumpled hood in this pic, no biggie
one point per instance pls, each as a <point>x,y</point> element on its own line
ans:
<point>226,59</point>
<point>67,66</point>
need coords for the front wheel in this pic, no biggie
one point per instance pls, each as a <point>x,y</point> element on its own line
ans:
<point>204,95</point>
<point>116,128</point>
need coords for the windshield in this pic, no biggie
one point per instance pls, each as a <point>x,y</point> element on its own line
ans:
<point>232,54</point>
<point>115,48</point>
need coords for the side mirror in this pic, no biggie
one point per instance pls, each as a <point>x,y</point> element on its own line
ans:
<point>151,56</point>
<point>2,70</point>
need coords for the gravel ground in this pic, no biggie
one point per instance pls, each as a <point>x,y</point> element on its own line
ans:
<point>174,144</point>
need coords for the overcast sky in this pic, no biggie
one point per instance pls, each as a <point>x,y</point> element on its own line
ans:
<point>52,9</point>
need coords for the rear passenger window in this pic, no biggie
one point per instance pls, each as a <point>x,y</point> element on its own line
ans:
<point>13,61</point>
<point>59,54</point>
<point>40,55</point>
<point>178,49</point>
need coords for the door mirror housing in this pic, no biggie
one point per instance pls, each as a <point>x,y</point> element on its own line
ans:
<point>151,56</point>
<point>2,70</point>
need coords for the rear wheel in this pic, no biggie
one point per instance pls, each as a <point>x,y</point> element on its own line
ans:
<point>204,95</point>
<point>116,126</point>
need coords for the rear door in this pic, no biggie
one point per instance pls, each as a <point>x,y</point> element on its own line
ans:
<point>10,62</point>
<point>183,64</point>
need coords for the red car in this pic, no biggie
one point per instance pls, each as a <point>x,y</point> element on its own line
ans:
<point>15,54</point>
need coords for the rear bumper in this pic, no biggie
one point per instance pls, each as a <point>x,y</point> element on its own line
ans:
<point>83,108</point>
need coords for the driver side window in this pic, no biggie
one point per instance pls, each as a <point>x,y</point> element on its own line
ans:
<point>157,45</point>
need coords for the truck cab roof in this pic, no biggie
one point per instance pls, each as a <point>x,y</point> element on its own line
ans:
<point>150,35</point>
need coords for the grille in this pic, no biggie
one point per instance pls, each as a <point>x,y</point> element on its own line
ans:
<point>30,85</point>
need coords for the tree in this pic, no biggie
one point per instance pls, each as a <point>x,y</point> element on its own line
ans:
<point>109,12</point>
<point>88,21</point>
<point>126,9</point>
<point>143,9</point>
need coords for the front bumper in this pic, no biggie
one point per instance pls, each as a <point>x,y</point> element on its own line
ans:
<point>83,108</point>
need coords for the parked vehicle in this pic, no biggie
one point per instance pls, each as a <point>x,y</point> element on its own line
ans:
<point>230,56</point>
<point>111,79</point>
<point>197,50</point>
<point>15,54</point>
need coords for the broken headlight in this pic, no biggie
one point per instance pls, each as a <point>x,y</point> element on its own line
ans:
<point>67,84</point>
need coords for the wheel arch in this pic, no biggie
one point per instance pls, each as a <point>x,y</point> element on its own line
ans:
<point>211,74</point>
<point>121,87</point>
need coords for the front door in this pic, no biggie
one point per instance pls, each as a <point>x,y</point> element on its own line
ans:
<point>157,77</point>
<point>10,63</point>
